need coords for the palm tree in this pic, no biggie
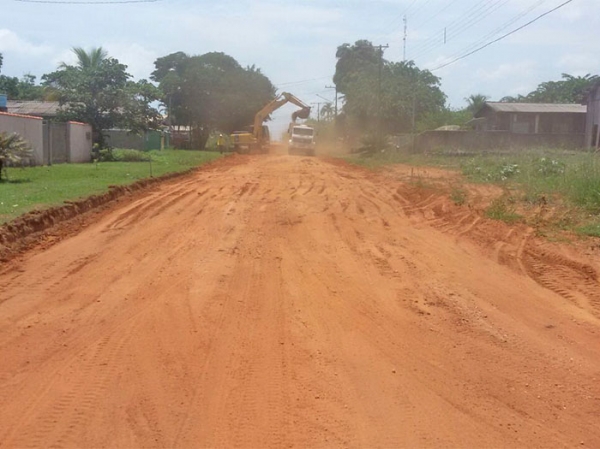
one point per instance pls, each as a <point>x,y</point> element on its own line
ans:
<point>88,60</point>
<point>12,148</point>
<point>327,111</point>
<point>475,102</point>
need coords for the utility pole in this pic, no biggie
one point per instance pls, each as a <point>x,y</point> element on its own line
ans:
<point>381,48</point>
<point>404,40</point>
<point>318,111</point>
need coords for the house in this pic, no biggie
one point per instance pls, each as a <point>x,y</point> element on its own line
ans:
<point>532,118</point>
<point>592,127</point>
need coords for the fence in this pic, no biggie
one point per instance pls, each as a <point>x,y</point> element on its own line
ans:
<point>29,128</point>
<point>494,140</point>
<point>149,140</point>
<point>52,143</point>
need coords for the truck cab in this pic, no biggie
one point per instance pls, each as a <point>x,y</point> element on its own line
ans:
<point>302,140</point>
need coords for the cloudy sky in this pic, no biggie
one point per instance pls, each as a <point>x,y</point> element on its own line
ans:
<point>294,42</point>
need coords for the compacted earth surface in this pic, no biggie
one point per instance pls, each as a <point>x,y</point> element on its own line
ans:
<point>277,301</point>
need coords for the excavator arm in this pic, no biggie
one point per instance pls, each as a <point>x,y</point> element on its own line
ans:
<point>278,102</point>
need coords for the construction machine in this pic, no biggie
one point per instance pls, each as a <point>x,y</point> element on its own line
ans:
<point>302,140</point>
<point>256,137</point>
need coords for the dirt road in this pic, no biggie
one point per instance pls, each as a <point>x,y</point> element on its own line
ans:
<point>293,302</point>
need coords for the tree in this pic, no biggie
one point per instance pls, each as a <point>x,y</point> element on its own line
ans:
<point>12,149</point>
<point>88,60</point>
<point>98,91</point>
<point>381,95</point>
<point>210,92</point>
<point>327,112</point>
<point>570,89</point>
<point>475,102</point>
<point>352,60</point>
<point>20,89</point>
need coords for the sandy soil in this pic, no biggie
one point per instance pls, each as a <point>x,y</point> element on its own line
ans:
<point>276,301</point>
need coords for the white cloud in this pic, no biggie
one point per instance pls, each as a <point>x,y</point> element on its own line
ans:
<point>139,60</point>
<point>507,70</point>
<point>10,42</point>
<point>578,64</point>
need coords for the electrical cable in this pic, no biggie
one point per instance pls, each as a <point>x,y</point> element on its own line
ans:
<point>78,2</point>
<point>469,21</point>
<point>499,29</point>
<point>501,37</point>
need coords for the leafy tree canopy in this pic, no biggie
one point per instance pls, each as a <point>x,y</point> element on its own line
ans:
<point>210,92</point>
<point>20,89</point>
<point>475,102</point>
<point>407,91</point>
<point>99,91</point>
<point>570,89</point>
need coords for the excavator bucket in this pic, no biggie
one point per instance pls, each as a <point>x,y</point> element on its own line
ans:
<point>302,113</point>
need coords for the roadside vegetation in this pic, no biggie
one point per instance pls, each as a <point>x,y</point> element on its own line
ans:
<point>39,187</point>
<point>568,181</point>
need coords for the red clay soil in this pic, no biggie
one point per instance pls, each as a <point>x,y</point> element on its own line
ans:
<point>31,228</point>
<point>277,301</point>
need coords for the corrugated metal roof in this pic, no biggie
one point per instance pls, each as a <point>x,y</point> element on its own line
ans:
<point>536,108</point>
<point>38,108</point>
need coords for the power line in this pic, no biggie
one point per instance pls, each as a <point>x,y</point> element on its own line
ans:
<point>467,22</point>
<point>502,37</point>
<point>291,83</point>
<point>77,2</point>
<point>500,28</point>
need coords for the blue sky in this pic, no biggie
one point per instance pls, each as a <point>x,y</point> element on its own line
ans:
<point>294,42</point>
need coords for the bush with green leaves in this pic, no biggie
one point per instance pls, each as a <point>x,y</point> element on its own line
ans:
<point>13,149</point>
<point>123,155</point>
<point>546,166</point>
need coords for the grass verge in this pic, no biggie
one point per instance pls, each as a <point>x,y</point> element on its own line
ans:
<point>561,178</point>
<point>40,187</point>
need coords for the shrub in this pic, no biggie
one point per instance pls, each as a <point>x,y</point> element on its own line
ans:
<point>501,210</point>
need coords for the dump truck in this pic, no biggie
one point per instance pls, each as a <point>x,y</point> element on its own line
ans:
<point>302,140</point>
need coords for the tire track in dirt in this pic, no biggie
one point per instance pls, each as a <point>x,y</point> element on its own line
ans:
<point>293,302</point>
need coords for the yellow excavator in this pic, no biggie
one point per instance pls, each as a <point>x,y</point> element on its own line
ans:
<point>256,138</point>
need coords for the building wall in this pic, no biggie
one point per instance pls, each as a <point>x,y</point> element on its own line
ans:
<point>58,143</point>
<point>80,142</point>
<point>120,138</point>
<point>30,128</point>
<point>592,127</point>
<point>532,123</point>
<point>494,140</point>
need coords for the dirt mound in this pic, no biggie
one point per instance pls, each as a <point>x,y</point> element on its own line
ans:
<point>32,228</point>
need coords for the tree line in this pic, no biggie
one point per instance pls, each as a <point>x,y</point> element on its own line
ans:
<point>205,93</point>
<point>213,92</point>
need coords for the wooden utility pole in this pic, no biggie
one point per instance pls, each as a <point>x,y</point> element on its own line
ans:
<point>381,48</point>
<point>318,111</point>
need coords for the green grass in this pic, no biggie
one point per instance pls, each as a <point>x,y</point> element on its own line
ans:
<point>574,177</point>
<point>39,187</point>
<point>502,209</point>
<point>591,229</point>
<point>569,178</point>
<point>458,195</point>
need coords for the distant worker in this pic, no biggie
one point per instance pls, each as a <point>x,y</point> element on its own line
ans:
<point>221,143</point>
